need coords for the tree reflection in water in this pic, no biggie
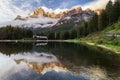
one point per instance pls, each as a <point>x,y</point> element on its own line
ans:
<point>77,58</point>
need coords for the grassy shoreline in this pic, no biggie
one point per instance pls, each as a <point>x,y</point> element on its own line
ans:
<point>113,48</point>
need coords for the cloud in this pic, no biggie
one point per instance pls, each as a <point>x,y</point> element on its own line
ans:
<point>28,4</point>
<point>8,11</point>
<point>58,10</point>
<point>96,4</point>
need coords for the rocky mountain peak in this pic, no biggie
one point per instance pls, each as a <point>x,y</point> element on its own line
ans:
<point>37,13</point>
<point>78,9</point>
<point>41,12</point>
<point>20,18</point>
<point>41,18</point>
<point>88,10</point>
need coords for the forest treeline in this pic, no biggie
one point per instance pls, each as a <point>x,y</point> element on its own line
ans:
<point>13,33</point>
<point>107,17</point>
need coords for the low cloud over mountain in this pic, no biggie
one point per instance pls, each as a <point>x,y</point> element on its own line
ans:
<point>9,9</point>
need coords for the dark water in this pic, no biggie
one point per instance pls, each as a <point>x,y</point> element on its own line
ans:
<point>82,62</point>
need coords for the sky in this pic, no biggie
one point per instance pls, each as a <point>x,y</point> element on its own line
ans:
<point>9,9</point>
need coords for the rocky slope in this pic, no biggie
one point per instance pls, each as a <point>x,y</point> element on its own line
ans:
<point>41,12</point>
<point>76,17</point>
<point>40,18</point>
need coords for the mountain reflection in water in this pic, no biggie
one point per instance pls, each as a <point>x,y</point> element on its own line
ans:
<point>57,61</point>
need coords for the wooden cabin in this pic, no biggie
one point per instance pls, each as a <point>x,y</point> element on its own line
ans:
<point>40,37</point>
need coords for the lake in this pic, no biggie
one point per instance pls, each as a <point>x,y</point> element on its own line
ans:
<point>57,61</point>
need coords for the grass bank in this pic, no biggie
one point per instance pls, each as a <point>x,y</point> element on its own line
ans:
<point>111,47</point>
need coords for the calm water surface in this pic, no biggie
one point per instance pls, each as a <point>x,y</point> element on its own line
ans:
<point>57,61</point>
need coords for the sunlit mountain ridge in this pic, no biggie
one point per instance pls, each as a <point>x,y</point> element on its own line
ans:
<point>41,18</point>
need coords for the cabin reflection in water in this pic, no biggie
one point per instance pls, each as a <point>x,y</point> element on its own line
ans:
<point>41,44</point>
<point>40,37</point>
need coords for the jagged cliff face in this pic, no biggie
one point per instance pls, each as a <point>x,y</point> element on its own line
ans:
<point>39,12</point>
<point>76,16</point>
<point>40,18</point>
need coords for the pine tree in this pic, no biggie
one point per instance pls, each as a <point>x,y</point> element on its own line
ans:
<point>95,20</point>
<point>79,32</point>
<point>93,23</point>
<point>116,10</point>
<point>73,34</point>
<point>102,20</point>
<point>86,29</point>
<point>57,35</point>
<point>109,11</point>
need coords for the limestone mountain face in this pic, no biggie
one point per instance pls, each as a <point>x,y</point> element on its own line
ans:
<point>39,12</point>
<point>41,18</point>
<point>20,18</point>
<point>76,18</point>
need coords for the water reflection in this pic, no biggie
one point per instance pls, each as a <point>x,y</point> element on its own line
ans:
<point>41,44</point>
<point>34,67</point>
<point>63,61</point>
<point>15,48</point>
